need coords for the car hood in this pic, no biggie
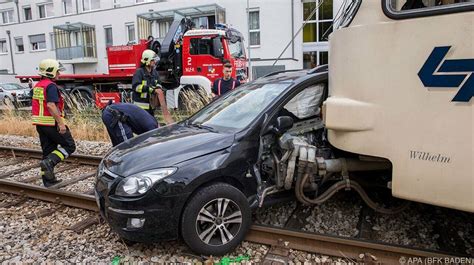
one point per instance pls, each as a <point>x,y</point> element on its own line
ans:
<point>164,147</point>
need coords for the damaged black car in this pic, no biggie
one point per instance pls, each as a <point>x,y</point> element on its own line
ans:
<point>200,179</point>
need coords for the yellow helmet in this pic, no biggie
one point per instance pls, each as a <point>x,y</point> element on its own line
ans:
<point>148,56</point>
<point>49,68</point>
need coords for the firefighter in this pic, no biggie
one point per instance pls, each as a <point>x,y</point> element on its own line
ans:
<point>226,83</point>
<point>145,81</point>
<point>122,120</point>
<point>48,115</point>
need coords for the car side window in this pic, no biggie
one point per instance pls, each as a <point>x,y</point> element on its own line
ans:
<point>306,103</point>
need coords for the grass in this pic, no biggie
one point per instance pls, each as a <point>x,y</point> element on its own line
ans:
<point>85,121</point>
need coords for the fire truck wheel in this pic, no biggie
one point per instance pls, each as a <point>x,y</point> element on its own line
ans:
<point>82,97</point>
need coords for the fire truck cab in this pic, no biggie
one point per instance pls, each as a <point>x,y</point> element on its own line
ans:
<point>204,53</point>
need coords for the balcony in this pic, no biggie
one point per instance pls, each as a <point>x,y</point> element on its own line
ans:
<point>75,43</point>
<point>77,54</point>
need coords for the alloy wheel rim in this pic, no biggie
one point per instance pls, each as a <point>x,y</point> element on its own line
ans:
<point>218,222</point>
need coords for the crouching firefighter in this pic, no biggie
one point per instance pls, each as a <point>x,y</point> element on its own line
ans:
<point>47,111</point>
<point>122,120</point>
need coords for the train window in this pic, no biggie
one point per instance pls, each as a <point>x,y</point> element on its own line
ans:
<point>400,9</point>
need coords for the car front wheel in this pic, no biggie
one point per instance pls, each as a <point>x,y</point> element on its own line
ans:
<point>216,219</point>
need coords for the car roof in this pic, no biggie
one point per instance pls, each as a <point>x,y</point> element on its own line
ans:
<point>296,76</point>
<point>18,86</point>
<point>15,84</point>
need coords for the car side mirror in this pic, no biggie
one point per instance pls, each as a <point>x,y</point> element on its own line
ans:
<point>283,124</point>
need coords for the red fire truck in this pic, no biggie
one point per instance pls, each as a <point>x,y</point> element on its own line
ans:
<point>189,59</point>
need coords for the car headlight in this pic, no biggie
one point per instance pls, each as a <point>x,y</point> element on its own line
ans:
<point>140,183</point>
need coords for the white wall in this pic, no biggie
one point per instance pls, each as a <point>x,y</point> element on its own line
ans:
<point>275,29</point>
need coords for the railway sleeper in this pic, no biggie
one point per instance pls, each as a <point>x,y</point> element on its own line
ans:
<point>43,212</point>
<point>73,180</point>
<point>16,171</point>
<point>13,162</point>
<point>61,170</point>
<point>84,224</point>
<point>16,202</point>
<point>279,253</point>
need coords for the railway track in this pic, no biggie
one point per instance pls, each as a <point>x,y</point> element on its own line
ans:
<point>281,239</point>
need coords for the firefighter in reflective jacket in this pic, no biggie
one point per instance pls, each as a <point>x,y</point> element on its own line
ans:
<point>226,83</point>
<point>47,113</point>
<point>145,81</point>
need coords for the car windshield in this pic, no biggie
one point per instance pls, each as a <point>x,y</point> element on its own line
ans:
<point>11,86</point>
<point>239,108</point>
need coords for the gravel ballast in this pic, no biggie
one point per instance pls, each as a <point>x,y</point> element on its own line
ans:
<point>82,147</point>
<point>47,240</point>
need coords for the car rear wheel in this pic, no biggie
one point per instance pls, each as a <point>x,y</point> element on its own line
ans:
<point>216,219</point>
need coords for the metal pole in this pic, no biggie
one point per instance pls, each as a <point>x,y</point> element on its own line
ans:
<point>248,44</point>
<point>11,51</point>
<point>292,30</point>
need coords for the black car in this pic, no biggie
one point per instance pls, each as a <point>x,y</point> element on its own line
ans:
<point>199,179</point>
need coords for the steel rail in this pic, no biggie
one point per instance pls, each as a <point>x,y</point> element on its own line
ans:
<point>34,153</point>
<point>67,198</point>
<point>352,249</point>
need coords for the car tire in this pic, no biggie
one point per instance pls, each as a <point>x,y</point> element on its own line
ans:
<point>215,219</point>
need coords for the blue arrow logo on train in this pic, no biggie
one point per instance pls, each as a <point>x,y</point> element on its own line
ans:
<point>431,76</point>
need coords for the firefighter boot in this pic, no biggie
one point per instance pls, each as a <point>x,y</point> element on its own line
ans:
<point>47,169</point>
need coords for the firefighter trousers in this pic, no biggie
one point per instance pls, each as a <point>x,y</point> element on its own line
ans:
<point>118,131</point>
<point>52,142</point>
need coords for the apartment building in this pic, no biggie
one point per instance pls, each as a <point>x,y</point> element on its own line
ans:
<point>77,32</point>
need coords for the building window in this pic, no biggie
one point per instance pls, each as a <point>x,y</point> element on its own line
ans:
<point>315,58</point>
<point>3,46</point>
<point>319,25</point>
<point>163,27</point>
<point>201,22</point>
<point>27,13</point>
<point>143,1</point>
<point>46,10</point>
<point>109,40</point>
<point>88,5</point>
<point>130,32</point>
<point>67,7</point>
<point>7,16</point>
<point>19,44</point>
<point>254,27</point>
<point>38,42</point>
